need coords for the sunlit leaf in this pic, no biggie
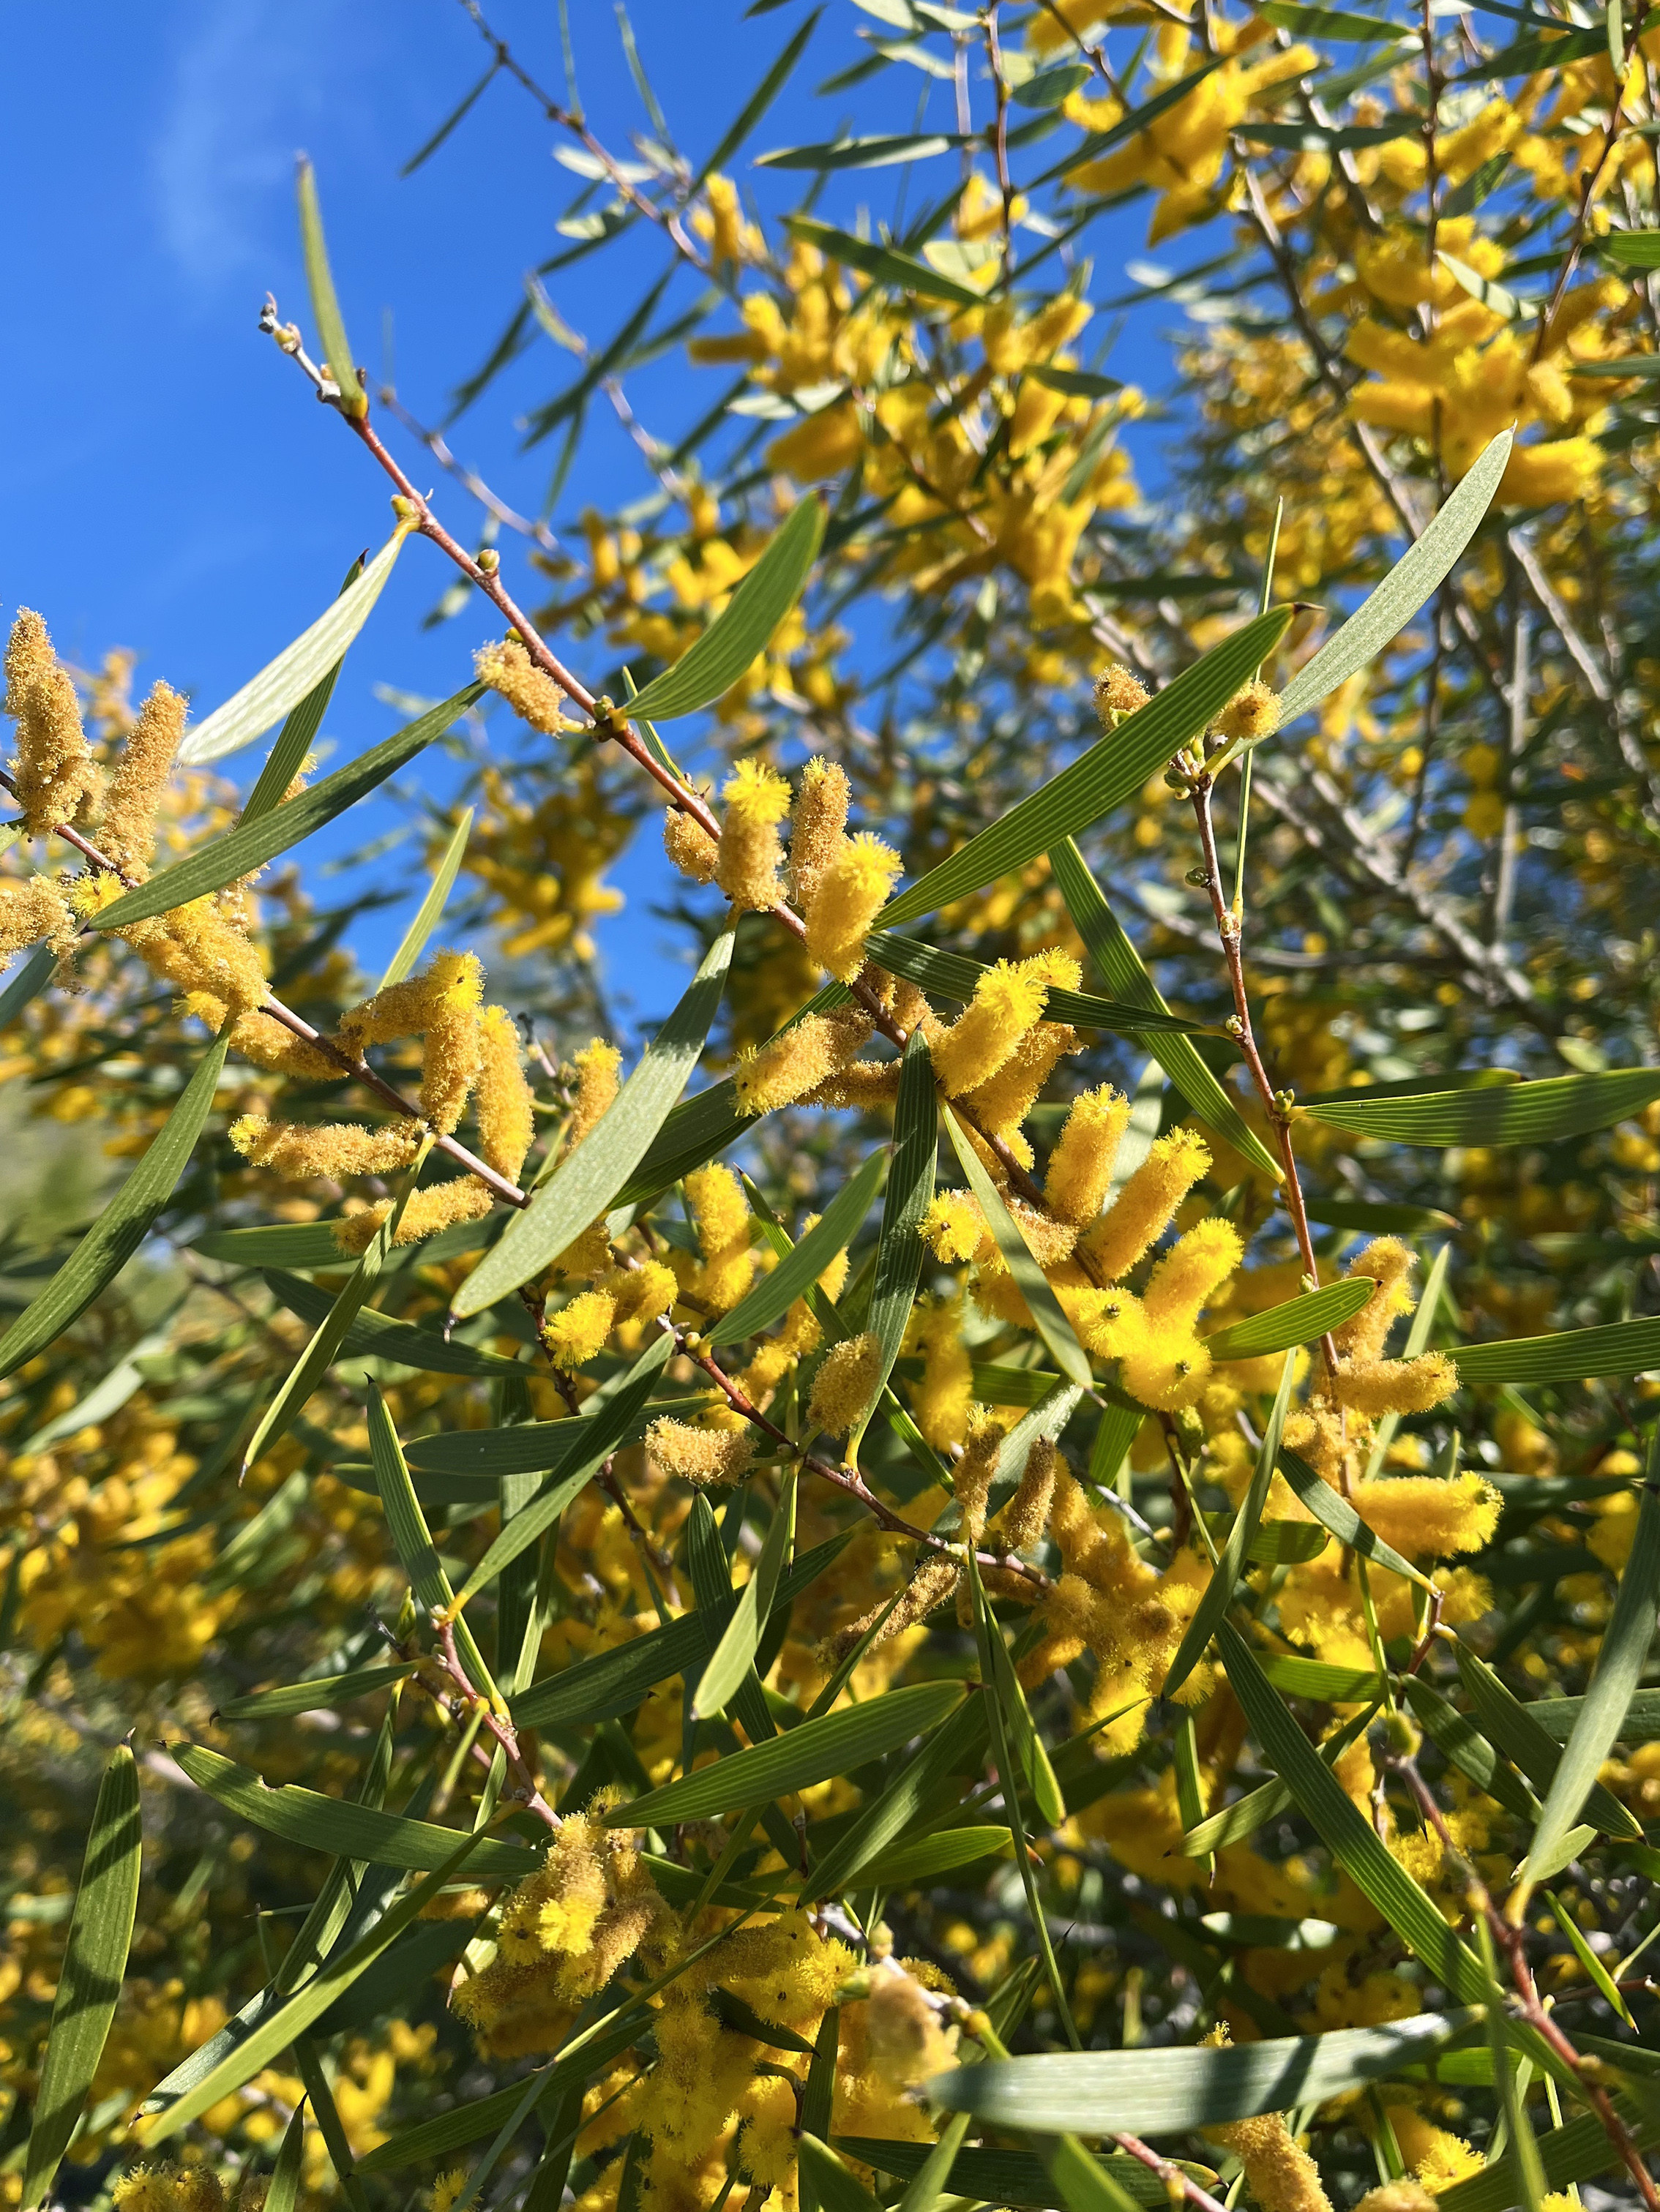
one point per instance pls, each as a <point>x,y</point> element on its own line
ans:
<point>589,1179</point>
<point>1018,1257</point>
<point>745,626</point>
<point>1504,1113</point>
<point>775,1294</point>
<point>337,357</point>
<point>1298,1321</point>
<point>89,1979</point>
<point>123,1225</point>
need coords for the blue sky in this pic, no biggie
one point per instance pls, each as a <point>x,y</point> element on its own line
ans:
<point>170,485</point>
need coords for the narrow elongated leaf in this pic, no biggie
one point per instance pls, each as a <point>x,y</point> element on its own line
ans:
<point>283,682</point>
<point>426,917</point>
<point>89,1980</point>
<point>254,840</point>
<point>885,264</point>
<point>954,975</point>
<point>1029,1279</point>
<point>594,1442</point>
<point>1532,1748</point>
<point>310,1696</point>
<point>1319,1678</point>
<point>1217,1593</point>
<point>1557,1715</point>
<point>930,1857</point>
<point>274,1244</point>
<point>1147,2090</point>
<point>758,101</point>
<point>413,1541</point>
<point>1633,249</point>
<point>589,1179</point>
<point>1003,2176</point>
<point>957,1744</point>
<point>1619,1664</point>
<point>381,1336</point>
<point>1082,2181</point>
<point>1032,1761</point>
<point>469,2123</point>
<point>1463,1742</point>
<point>1575,2152</point>
<point>929,2182</point>
<point>1270,1799</point>
<point>284,2195</point>
<point>1119,965</point>
<point>325,307</point>
<point>746,627</point>
<point>1306,22</point>
<point>833,2188</point>
<point>294,740</point>
<point>909,1194</point>
<point>485,1455</point>
<point>1378,1220</point>
<point>1571,1355</point>
<point>1333,1510</point>
<point>614,1682</point>
<point>795,1760</point>
<point>278,2028</point>
<point>729,1662</point>
<point>1111,771</point>
<point>27,984</point>
<point>1503,1114</point>
<point>333,1825</point>
<point>773,1295</point>
<point>1419,571</point>
<point>1522,2144</point>
<point>331,1332</point>
<point>1298,1321</point>
<point>123,1225</point>
<point>872,153</point>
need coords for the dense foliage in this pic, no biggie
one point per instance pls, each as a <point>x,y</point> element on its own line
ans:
<point>966,1545</point>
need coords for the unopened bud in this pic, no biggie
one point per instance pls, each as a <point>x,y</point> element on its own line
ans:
<point>489,561</point>
<point>1401,1736</point>
<point>1234,1026</point>
<point>406,509</point>
<point>1199,878</point>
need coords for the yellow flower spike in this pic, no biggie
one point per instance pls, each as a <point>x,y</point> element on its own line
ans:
<point>450,1064</point>
<point>699,1455</point>
<point>850,892</point>
<point>1282,2176</point>
<point>801,1058</point>
<point>1026,1514</point>
<point>126,829</point>
<point>441,1206</point>
<point>642,1292</point>
<point>597,1068</point>
<point>821,818</point>
<point>1008,1001</point>
<point>1377,1386</point>
<point>940,1399</point>
<point>58,779</point>
<point>1191,1272</point>
<point>954,1226</point>
<point>448,2188</point>
<point>1146,1204</point>
<point>845,1384</point>
<point>1389,1263</point>
<point>30,910</point>
<point>505,1117</point>
<point>333,1149</point>
<point>690,845</point>
<point>530,691</point>
<point>1397,2197</point>
<point>1080,1166</point>
<point>1001,1103</point>
<point>1164,1366</point>
<point>578,1331</point>
<point>756,799</point>
<point>1253,713</point>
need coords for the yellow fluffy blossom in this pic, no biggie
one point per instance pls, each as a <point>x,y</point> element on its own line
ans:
<point>699,1455</point>
<point>851,890</point>
<point>1282,2176</point>
<point>1147,1203</point>
<point>756,799</point>
<point>1008,1001</point>
<point>507,1119</point>
<point>797,1061</point>
<point>821,816</point>
<point>1252,712</point>
<point>126,829</point>
<point>58,779</point>
<point>597,1069</point>
<point>29,910</point>
<point>1118,692</point>
<point>530,691</point>
<point>578,1330</point>
<point>333,1149</point>
<point>940,1399</point>
<point>690,845</point>
<point>845,1384</point>
<point>1080,1166</point>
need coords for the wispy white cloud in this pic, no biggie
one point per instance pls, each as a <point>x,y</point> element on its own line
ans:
<point>249,82</point>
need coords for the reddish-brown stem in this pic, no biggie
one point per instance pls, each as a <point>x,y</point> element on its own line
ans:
<point>1176,2183</point>
<point>499,1186</point>
<point>529,1790</point>
<point>1509,1940</point>
<point>1230,928</point>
